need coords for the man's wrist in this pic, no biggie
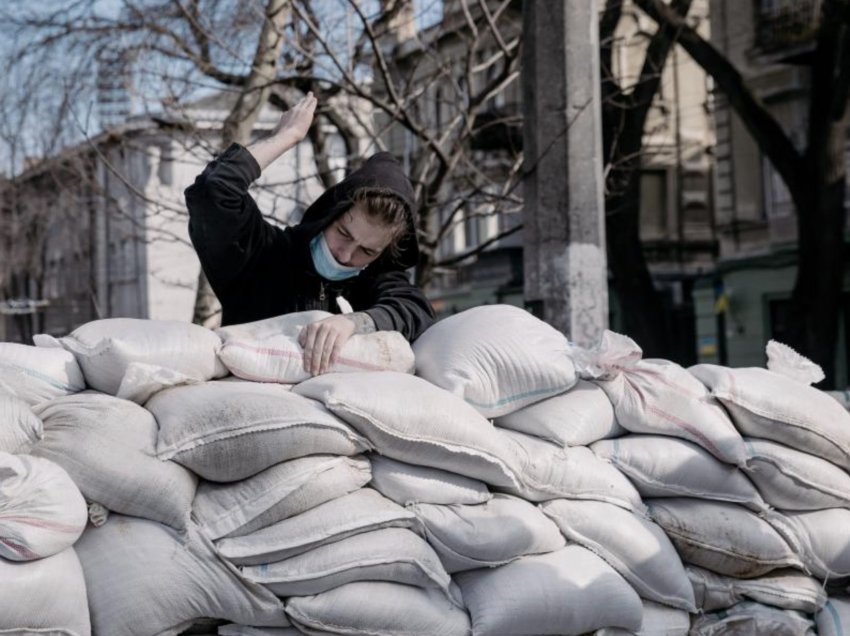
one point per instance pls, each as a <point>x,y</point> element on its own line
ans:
<point>268,149</point>
<point>363,322</point>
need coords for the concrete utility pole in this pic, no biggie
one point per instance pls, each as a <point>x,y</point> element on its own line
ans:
<point>566,282</point>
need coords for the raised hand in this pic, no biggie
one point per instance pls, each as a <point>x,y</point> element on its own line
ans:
<point>291,129</point>
<point>295,122</point>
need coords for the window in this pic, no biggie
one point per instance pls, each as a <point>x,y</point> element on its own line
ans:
<point>653,204</point>
<point>777,198</point>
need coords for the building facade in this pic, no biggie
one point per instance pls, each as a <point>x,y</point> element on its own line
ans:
<point>743,302</point>
<point>112,238</point>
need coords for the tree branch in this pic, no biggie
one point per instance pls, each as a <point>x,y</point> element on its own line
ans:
<point>768,134</point>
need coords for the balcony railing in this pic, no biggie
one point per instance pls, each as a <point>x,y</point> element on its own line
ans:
<point>786,25</point>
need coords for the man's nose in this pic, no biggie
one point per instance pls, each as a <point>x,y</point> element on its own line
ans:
<point>344,255</point>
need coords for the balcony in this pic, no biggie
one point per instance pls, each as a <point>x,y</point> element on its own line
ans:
<point>786,29</point>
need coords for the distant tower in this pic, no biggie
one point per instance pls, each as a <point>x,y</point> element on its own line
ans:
<point>114,86</point>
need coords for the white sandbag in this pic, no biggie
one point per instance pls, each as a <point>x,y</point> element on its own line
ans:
<point>658,620</point>
<point>45,596</point>
<point>467,537</point>
<point>409,419</point>
<point>390,554</point>
<point>820,537</point>
<point>268,350</point>
<point>38,374</point>
<point>498,358</point>
<point>775,406</point>
<point>407,484</point>
<point>842,397</point>
<point>786,589</point>
<point>233,629</point>
<point>661,466</point>
<point>659,397</point>
<point>552,472</point>
<point>378,608</point>
<point>834,618</point>
<point>578,417</point>
<point>134,358</point>
<point>142,575</point>
<point>637,548</point>
<point>19,426</point>
<point>363,510</point>
<point>746,619</point>
<point>41,509</point>
<point>790,479</point>
<point>571,591</point>
<point>108,447</point>
<point>279,492</point>
<point>229,431</point>
<point>722,537</point>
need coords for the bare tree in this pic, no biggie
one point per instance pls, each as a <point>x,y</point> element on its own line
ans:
<point>626,104</point>
<point>815,177</point>
<point>382,83</point>
<point>253,95</point>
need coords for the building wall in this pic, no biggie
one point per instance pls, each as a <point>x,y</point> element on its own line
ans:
<point>756,221</point>
<point>118,243</point>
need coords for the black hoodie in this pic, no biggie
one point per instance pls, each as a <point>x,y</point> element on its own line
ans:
<point>258,270</point>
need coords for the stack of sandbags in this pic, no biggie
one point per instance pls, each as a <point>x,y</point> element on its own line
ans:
<point>798,453</point>
<point>152,572</point>
<point>42,514</point>
<point>515,485</point>
<point>709,485</point>
<point>426,545</point>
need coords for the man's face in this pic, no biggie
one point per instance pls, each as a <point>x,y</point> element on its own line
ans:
<point>356,239</point>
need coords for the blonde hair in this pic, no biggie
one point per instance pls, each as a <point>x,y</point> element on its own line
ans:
<point>389,209</point>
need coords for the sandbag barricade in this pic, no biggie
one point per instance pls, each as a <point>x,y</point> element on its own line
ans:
<point>642,498</point>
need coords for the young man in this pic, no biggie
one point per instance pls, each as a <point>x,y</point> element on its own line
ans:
<point>354,241</point>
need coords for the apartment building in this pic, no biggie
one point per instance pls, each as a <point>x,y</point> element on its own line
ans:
<point>744,302</point>
<point>109,224</point>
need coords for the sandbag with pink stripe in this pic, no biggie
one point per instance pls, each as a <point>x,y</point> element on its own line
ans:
<point>41,509</point>
<point>268,350</point>
<point>659,397</point>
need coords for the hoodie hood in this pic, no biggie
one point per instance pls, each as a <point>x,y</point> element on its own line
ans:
<point>382,174</point>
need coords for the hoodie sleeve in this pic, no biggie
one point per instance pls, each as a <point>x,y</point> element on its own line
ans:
<point>225,224</point>
<point>395,304</point>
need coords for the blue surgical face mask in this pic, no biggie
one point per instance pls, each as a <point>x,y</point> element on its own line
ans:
<point>326,265</point>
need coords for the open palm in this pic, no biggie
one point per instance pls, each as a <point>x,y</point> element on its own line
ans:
<point>295,122</point>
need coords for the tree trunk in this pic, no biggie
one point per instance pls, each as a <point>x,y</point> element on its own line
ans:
<point>821,215</point>
<point>815,180</point>
<point>816,299</point>
<point>239,124</point>
<point>624,118</point>
<point>640,302</point>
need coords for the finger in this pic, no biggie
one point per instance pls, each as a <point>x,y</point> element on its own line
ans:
<point>327,349</point>
<point>318,351</point>
<point>338,344</point>
<point>309,344</point>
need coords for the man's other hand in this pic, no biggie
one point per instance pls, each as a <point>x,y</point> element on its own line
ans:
<point>323,340</point>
